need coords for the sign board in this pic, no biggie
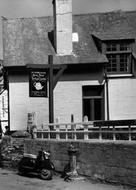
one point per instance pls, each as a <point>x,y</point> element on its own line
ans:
<point>38,84</point>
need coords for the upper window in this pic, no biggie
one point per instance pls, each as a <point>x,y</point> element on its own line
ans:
<point>119,56</point>
<point>124,46</point>
<point>111,47</point>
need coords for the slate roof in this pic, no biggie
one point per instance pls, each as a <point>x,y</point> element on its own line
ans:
<point>26,40</point>
<point>116,31</point>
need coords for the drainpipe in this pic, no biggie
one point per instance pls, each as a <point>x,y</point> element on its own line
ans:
<point>51,106</point>
<point>107,96</point>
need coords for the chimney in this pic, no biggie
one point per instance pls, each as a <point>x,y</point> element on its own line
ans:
<point>63,26</point>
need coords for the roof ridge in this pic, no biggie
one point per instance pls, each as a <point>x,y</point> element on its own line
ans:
<point>79,14</point>
<point>108,12</point>
<point>35,17</point>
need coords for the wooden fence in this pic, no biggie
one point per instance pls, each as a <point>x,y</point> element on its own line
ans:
<point>109,130</point>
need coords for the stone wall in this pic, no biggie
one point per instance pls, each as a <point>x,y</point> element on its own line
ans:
<point>106,160</point>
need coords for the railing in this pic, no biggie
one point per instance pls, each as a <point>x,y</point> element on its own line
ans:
<point>110,130</point>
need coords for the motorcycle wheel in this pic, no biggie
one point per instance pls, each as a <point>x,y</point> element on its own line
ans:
<point>46,174</point>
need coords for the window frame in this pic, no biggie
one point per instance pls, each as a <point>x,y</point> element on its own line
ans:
<point>118,52</point>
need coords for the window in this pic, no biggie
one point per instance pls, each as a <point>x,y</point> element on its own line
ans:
<point>112,66</point>
<point>119,56</point>
<point>124,47</point>
<point>119,63</point>
<point>93,102</point>
<point>124,62</point>
<point>111,47</point>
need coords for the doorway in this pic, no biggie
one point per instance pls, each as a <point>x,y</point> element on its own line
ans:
<point>93,102</point>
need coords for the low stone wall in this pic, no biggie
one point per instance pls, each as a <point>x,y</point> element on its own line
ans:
<point>106,160</point>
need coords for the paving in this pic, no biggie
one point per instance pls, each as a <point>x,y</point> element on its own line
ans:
<point>10,180</point>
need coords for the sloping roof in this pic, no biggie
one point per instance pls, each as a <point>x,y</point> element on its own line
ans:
<point>116,31</point>
<point>26,40</point>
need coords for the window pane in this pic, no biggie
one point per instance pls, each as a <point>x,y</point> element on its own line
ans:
<point>124,46</point>
<point>124,62</point>
<point>111,47</point>
<point>86,109</point>
<point>112,65</point>
<point>98,109</point>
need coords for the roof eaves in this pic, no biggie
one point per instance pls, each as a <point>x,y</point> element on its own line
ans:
<point>103,37</point>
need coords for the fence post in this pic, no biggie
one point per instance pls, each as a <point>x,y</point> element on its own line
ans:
<point>42,131</point>
<point>129,133</point>
<point>66,132</point>
<point>114,135</point>
<point>34,133</point>
<point>100,132</point>
<point>75,134</point>
<point>57,129</point>
<point>72,127</point>
<point>49,132</point>
<point>85,128</point>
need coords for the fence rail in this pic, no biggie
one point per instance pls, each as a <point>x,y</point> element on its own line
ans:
<point>114,130</point>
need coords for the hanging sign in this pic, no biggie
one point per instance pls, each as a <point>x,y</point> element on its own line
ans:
<point>38,84</point>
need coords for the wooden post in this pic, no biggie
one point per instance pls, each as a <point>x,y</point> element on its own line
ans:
<point>129,133</point>
<point>51,112</point>
<point>114,134</point>
<point>57,129</point>
<point>66,132</point>
<point>42,131</point>
<point>85,128</point>
<point>100,132</point>
<point>72,126</point>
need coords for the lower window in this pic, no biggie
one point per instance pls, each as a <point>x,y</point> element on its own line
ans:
<point>93,102</point>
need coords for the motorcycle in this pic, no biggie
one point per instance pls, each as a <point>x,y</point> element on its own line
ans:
<point>39,164</point>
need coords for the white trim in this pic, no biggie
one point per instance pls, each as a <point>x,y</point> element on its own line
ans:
<point>119,75</point>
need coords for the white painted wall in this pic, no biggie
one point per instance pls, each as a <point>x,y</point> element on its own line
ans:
<point>67,101</point>
<point>122,98</point>
<point>21,104</point>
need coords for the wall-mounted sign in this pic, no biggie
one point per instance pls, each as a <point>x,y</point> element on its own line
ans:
<point>38,84</point>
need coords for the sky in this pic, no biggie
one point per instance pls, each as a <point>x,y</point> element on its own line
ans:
<point>37,8</point>
<point>30,8</point>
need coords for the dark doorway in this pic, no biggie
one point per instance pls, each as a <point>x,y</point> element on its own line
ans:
<point>93,102</point>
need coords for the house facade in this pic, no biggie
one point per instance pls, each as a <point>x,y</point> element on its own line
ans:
<point>96,54</point>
